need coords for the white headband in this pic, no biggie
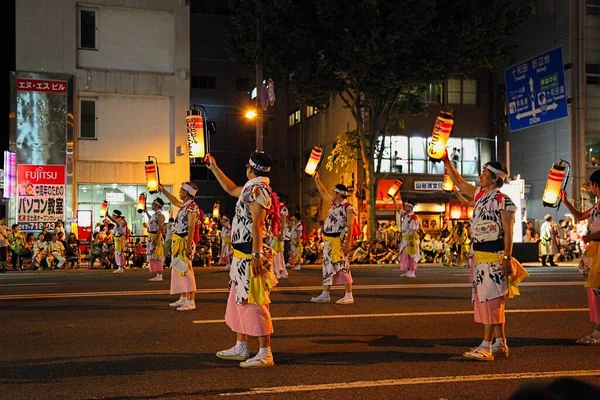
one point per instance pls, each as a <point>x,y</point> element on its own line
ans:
<point>497,172</point>
<point>258,167</point>
<point>342,192</point>
<point>189,189</point>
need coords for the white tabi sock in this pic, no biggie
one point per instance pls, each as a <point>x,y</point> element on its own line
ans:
<point>499,341</point>
<point>596,334</point>
<point>264,351</point>
<point>485,344</point>
<point>241,345</point>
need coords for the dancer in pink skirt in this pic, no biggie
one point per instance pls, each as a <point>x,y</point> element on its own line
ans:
<point>250,278</point>
<point>409,245</point>
<point>226,249</point>
<point>278,243</point>
<point>185,236</point>
<point>492,243</point>
<point>155,247</point>
<point>589,265</point>
<point>336,242</point>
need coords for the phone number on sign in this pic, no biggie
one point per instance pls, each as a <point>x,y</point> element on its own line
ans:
<point>36,226</point>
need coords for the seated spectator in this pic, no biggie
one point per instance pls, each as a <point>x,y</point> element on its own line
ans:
<point>72,249</point>
<point>427,249</point>
<point>377,253</point>
<point>95,250</point>
<point>40,252</point>
<point>360,253</point>
<point>438,249</point>
<point>139,254</point>
<point>27,249</point>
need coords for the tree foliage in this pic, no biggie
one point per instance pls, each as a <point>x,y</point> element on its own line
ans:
<point>376,55</point>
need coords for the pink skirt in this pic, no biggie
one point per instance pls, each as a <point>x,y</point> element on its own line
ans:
<point>183,284</point>
<point>342,277</point>
<point>279,263</point>
<point>247,319</point>
<point>490,312</point>
<point>406,261</point>
<point>594,304</point>
<point>156,265</point>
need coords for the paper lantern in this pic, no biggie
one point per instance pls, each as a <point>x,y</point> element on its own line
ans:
<point>470,212</point>
<point>216,209</point>
<point>314,160</point>
<point>196,134</point>
<point>447,183</point>
<point>141,204</point>
<point>455,212</point>
<point>395,188</point>
<point>152,177</point>
<point>557,180</point>
<point>103,209</point>
<point>441,132</point>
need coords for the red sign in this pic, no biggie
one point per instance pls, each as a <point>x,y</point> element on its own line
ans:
<point>41,174</point>
<point>41,85</point>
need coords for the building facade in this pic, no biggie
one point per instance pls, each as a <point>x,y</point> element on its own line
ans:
<point>126,67</point>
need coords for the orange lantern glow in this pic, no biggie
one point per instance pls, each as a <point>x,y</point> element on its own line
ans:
<point>455,212</point>
<point>103,209</point>
<point>196,134</point>
<point>441,132</point>
<point>395,188</point>
<point>557,180</point>
<point>216,209</point>
<point>447,183</point>
<point>470,212</point>
<point>152,176</point>
<point>314,160</point>
<point>141,205</point>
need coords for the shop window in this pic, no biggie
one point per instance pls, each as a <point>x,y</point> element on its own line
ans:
<point>87,29</point>
<point>88,119</point>
<point>418,154</point>
<point>434,93</point>
<point>311,111</point>
<point>470,163</point>
<point>294,118</point>
<point>462,91</point>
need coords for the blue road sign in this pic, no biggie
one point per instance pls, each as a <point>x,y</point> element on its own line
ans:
<point>535,91</point>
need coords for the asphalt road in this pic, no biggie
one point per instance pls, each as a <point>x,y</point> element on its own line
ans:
<point>97,335</point>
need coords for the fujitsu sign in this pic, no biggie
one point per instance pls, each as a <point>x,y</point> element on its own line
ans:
<point>42,174</point>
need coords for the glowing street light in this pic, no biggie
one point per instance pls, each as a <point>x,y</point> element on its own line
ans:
<point>251,114</point>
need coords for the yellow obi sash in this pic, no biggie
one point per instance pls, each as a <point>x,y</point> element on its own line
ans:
<point>336,247</point>
<point>260,285</point>
<point>593,252</point>
<point>517,272</point>
<point>277,245</point>
<point>120,244</point>
<point>227,240</point>
<point>159,249</point>
<point>178,246</point>
<point>411,243</point>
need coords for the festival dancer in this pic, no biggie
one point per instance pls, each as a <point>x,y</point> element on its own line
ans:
<point>120,238</point>
<point>155,247</point>
<point>409,246</point>
<point>278,243</point>
<point>185,236</point>
<point>226,249</point>
<point>251,279</point>
<point>336,242</point>
<point>589,265</point>
<point>296,248</point>
<point>492,243</point>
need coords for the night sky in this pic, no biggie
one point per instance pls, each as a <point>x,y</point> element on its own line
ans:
<point>10,12</point>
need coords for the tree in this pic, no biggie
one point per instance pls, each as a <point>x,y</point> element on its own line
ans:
<point>376,55</point>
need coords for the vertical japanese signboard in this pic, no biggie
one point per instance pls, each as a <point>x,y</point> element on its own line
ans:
<point>535,91</point>
<point>41,195</point>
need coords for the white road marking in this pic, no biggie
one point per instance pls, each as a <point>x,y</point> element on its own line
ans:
<point>277,289</point>
<point>398,315</point>
<point>28,284</point>
<point>413,381</point>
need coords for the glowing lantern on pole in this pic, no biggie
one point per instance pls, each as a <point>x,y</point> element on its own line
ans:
<point>216,208</point>
<point>196,134</point>
<point>557,180</point>
<point>314,160</point>
<point>152,176</point>
<point>455,212</point>
<point>395,188</point>
<point>441,132</point>
<point>447,183</point>
<point>103,209</point>
<point>141,205</point>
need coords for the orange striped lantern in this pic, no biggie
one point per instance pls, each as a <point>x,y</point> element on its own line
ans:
<point>103,209</point>
<point>152,179</point>
<point>441,132</point>
<point>314,161</point>
<point>447,183</point>
<point>395,188</point>
<point>557,180</point>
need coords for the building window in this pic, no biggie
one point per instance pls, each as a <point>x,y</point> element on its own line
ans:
<point>311,110</point>
<point>399,160</point>
<point>88,119</point>
<point>87,29</point>
<point>242,84</point>
<point>294,118</point>
<point>203,82</point>
<point>462,91</point>
<point>434,93</point>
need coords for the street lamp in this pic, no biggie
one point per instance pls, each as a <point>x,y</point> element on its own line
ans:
<point>251,114</point>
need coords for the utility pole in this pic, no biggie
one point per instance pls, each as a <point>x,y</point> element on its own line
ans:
<point>259,82</point>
